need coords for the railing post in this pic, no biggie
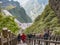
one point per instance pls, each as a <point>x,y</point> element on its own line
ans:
<point>8,37</point>
<point>0,38</point>
<point>32,41</point>
<point>55,39</point>
<point>38,42</point>
<point>4,35</point>
<point>0,41</point>
<point>13,39</point>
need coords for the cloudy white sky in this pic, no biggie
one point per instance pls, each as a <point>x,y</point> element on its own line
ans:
<point>22,2</point>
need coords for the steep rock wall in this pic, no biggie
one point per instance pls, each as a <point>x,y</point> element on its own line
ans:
<point>55,5</point>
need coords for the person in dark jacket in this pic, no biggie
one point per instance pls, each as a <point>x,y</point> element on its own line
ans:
<point>29,37</point>
<point>33,35</point>
<point>19,38</point>
<point>46,36</point>
<point>46,33</point>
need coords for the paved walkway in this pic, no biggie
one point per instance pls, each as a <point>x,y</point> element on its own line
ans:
<point>22,44</point>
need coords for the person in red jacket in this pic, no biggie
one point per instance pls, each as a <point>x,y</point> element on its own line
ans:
<point>23,37</point>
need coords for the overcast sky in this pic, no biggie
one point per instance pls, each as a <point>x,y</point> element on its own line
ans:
<point>22,2</point>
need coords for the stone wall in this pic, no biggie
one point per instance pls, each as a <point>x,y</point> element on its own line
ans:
<point>55,5</point>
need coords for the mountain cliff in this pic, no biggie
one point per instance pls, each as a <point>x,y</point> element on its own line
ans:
<point>35,7</point>
<point>47,19</point>
<point>16,10</point>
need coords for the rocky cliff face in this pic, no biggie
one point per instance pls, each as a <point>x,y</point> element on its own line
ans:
<point>35,7</point>
<point>55,5</point>
<point>16,10</point>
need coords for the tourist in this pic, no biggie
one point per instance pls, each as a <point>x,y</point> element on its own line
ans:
<point>33,35</point>
<point>19,38</point>
<point>29,37</point>
<point>41,36</point>
<point>46,35</point>
<point>23,37</point>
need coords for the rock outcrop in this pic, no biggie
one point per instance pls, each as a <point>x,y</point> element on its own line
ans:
<point>55,5</point>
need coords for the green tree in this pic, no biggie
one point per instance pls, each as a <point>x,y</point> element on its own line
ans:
<point>8,21</point>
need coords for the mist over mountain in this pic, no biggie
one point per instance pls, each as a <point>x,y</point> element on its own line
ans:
<point>35,7</point>
<point>16,10</point>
